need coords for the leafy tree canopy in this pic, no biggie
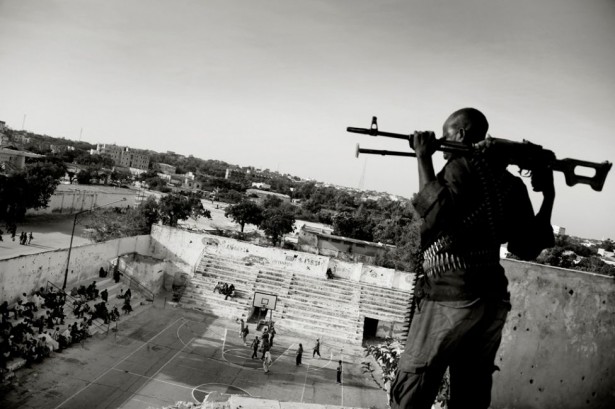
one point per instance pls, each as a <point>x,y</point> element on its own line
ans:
<point>245,212</point>
<point>28,189</point>
<point>278,221</point>
<point>175,207</point>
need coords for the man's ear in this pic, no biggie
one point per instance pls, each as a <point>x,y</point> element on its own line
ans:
<point>462,135</point>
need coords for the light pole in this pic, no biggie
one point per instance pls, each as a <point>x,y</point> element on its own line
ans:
<point>70,246</point>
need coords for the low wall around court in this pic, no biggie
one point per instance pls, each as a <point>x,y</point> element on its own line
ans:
<point>25,273</point>
<point>75,198</point>
<point>557,345</point>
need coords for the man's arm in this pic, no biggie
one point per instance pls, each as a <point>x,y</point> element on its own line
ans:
<point>535,233</point>
<point>424,145</point>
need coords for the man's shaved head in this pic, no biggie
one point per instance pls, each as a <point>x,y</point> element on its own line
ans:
<point>471,120</point>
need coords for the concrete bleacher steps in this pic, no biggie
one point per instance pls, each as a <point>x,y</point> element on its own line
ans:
<point>199,295</point>
<point>334,310</point>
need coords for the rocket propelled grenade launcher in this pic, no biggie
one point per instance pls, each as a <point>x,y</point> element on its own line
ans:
<point>526,155</point>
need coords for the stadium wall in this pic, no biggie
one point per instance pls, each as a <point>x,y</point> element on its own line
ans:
<point>25,273</point>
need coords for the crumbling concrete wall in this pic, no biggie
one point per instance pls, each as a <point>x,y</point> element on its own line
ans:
<point>25,273</point>
<point>189,247</point>
<point>177,245</point>
<point>69,199</point>
<point>558,343</point>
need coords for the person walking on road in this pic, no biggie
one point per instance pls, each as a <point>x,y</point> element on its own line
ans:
<point>267,362</point>
<point>241,327</point>
<point>244,334</point>
<point>30,237</point>
<point>316,348</point>
<point>254,345</point>
<point>271,335</point>
<point>339,372</point>
<point>299,354</point>
<point>265,347</point>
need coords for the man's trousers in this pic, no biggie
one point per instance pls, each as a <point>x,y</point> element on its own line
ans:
<point>462,335</point>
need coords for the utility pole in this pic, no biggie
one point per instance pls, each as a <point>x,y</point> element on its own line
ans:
<point>70,246</point>
<point>23,122</point>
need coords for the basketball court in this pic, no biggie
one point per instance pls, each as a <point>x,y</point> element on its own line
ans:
<point>199,357</point>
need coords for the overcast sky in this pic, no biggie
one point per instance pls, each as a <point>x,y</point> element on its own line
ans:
<point>274,84</point>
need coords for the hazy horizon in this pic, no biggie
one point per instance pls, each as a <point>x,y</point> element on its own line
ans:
<point>274,84</point>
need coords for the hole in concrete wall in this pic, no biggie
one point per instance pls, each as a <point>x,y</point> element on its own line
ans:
<point>531,381</point>
<point>527,329</point>
<point>541,389</point>
<point>571,292</point>
<point>593,394</point>
<point>514,328</point>
<point>583,378</point>
<point>561,381</point>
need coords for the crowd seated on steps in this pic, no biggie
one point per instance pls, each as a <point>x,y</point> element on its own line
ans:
<point>36,325</point>
<point>225,289</point>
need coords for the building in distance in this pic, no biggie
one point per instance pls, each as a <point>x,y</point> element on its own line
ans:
<point>123,156</point>
<point>167,169</point>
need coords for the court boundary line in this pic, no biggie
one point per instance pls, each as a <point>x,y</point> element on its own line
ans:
<point>207,393</point>
<point>117,363</point>
<point>280,356</point>
<point>165,364</point>
<point>192,388</point>
<point>307,370</point>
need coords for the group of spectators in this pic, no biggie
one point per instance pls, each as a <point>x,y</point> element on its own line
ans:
<point>34,330</point>
<point>225,289</point>
<point>35,326</point>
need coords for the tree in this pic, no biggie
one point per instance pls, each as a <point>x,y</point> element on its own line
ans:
<point>278,221</point>
<point>608,245</point>
<point>85,176</point>
<point>245,212</point>
<point>272,201</point>
<point>347,225</point>
<point>28,189</point>
<point>120,176</point>
<point>386,355</point>
<point>175,207</point>
<point>150,210</point>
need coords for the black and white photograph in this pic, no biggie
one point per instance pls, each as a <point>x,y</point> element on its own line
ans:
<point>417,192</point>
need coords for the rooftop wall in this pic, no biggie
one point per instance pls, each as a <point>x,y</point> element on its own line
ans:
<point>557,346</point>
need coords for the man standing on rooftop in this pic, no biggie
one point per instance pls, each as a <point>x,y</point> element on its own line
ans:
<point>468,209</point>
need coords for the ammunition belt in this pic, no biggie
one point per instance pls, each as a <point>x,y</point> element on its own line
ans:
<point>436,264</point>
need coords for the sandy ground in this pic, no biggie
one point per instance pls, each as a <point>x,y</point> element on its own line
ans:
<point>50,232</point>
<point>53,232</point>
<point>217,221</point>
